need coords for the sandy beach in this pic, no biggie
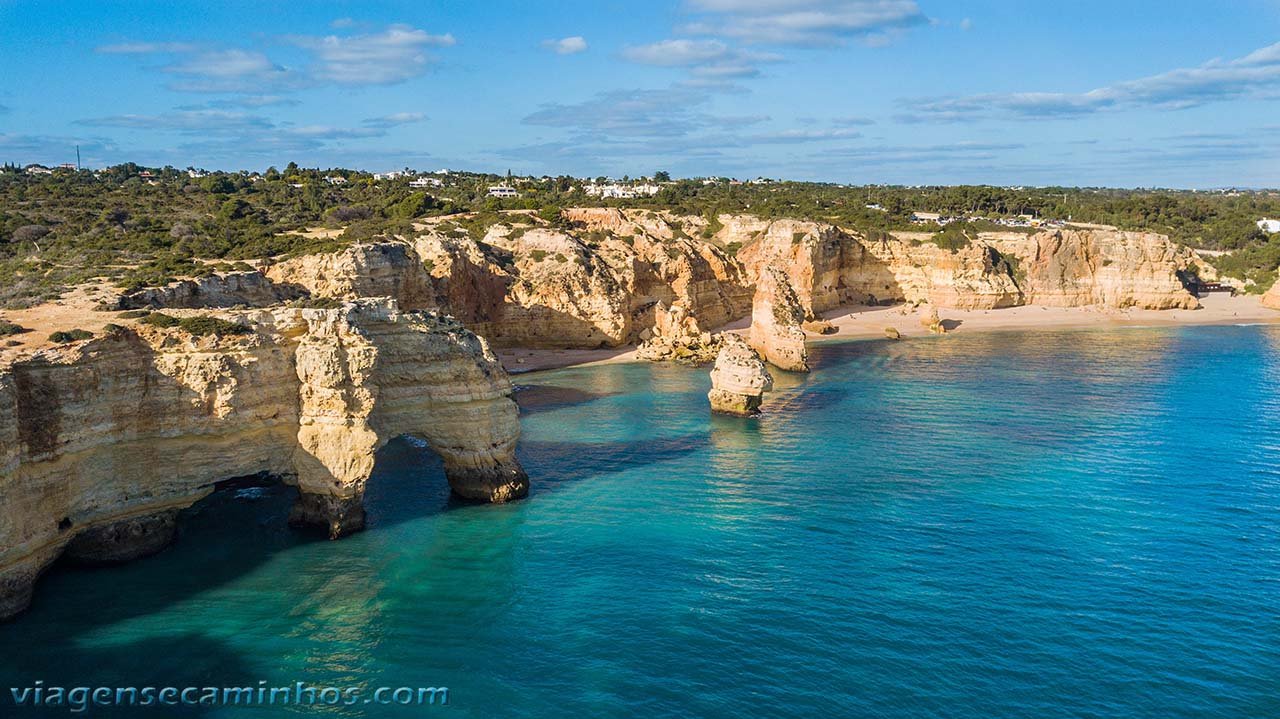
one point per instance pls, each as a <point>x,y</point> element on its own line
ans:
<point>860,322</point>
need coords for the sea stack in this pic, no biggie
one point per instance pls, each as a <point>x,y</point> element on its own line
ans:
<point>739,378</point>
<point>776,319</point>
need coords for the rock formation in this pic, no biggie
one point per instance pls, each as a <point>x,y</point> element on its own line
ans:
<point>601,279</point>
<point>103,441</point>
<point>389,268</point>
<point>830,267</point>
<point>227,289</point>
<point>1073,268</point>
<point>739,378</point>
<point>930,320</point>
<point>776,317</point>
<point>1272,297</point>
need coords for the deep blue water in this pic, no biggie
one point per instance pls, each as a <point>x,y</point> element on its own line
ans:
<point>1056,524</point>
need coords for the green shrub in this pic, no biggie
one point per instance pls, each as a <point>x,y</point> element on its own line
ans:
<point>9,328</point>
<point>157,319</point>
<point>199,326</point>
<point>204,326</point>
<point>538,255</point>
<point>70,336</point>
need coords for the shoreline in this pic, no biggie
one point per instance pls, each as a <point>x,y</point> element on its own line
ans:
<point>856,322</point>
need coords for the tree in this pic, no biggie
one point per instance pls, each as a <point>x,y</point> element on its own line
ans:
<point>662,176</point>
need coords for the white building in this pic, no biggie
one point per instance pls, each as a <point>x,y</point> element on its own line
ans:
<point>1268,226</point>
<point>621,192</point>
<point>502,191</point>
<point>38,170</point>
<point>336,180</point>
<point>426,182</point>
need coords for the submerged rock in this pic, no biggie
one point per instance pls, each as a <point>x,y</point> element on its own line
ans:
<point>739,378</point>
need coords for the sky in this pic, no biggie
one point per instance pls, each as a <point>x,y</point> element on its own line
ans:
<point>1122,93</point>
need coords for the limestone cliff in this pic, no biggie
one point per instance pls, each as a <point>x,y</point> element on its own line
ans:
<point>604,280</point>
<point>776,316</point>
<point>739,378</point>
<point>103,441</point>
<point>830,267</point>
<point>225,289</point>
<point>388,268</point>
<point>1272,297</point>
<point>1073,268</point>
<point>600,278</point>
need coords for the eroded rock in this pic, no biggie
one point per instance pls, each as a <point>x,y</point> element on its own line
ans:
<point>776,318</point>
<point>102,442</point>
<point>739,378</point>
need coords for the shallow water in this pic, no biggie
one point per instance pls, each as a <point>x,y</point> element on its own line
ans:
<point>1053,524</point>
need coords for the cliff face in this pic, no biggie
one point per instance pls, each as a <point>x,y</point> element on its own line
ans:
<point>250,288</point>
<point>1072,268</point>
<point>1272,297</point>
<point>375,269</point>
<point>604,281</point>
<point>600,281</point>
<point>830,267</point>
<point>101,443</point>
<point>776,316</point>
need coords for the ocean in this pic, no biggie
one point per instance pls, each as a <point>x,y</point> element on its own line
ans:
<point>1016,524</point>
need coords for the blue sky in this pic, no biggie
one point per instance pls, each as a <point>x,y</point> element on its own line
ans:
<point>1178,94</point>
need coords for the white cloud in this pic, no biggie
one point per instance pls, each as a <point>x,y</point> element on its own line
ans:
<point>804,22</point>
<point>391,56</point>
<point>709,62</point>
<point>145,48</point>
<point>566,46</point>
<point>1255,74</point>
<point>396,119</point>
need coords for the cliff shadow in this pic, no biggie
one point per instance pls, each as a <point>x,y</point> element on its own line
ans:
<point>557,464</point>
<point>534,398</point>
<point>179,660</point>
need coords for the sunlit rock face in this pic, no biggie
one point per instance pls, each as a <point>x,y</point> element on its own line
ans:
<point>776,318</point>
<point>830,267</point>
<point>1073,268</point>
<point>389,268</point>
<point>101,442</point>
<point>1272,297</point>
<point>739,378</point>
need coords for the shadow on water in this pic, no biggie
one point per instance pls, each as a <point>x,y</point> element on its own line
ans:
<point>556,464</point>
<point>128,666</point>
<point>534,398</point>
<point>827,355</point>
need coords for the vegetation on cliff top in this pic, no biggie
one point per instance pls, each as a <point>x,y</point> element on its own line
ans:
<point>69,227</point>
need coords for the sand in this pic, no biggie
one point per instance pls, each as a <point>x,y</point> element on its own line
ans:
<point>870,323</point>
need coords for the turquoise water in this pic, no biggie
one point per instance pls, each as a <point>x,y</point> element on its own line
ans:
<point>1068,524</point>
